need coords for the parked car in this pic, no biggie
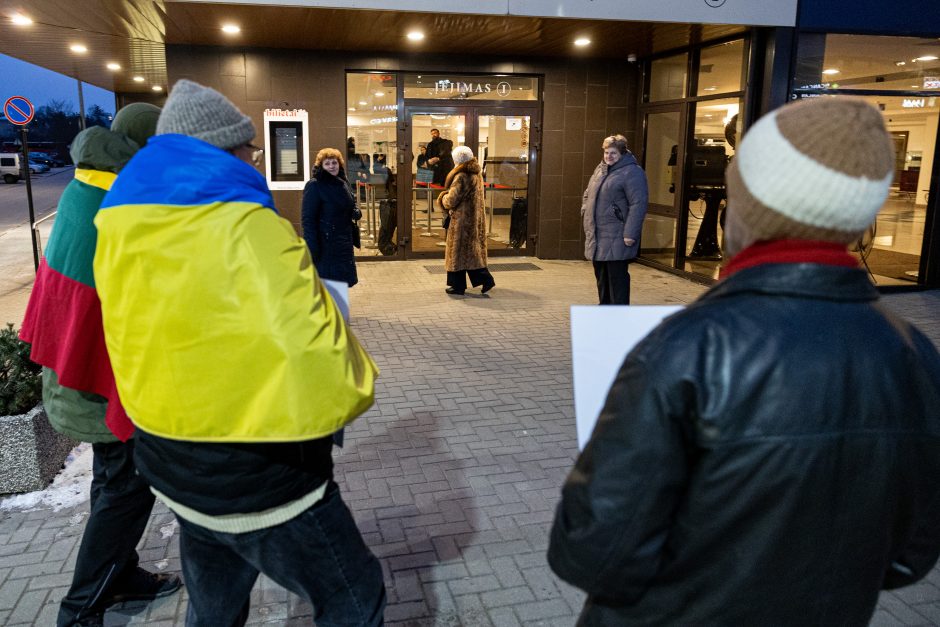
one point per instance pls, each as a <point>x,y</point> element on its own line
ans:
<point>36,167</point>
<point>52,161</point>
<point>10,169</point>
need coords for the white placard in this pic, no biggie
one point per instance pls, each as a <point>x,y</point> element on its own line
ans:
<point>601,338</point>
<point>339,290</point>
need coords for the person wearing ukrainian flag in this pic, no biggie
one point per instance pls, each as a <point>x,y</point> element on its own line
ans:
<point>236,367</point>
<point>63,327</point>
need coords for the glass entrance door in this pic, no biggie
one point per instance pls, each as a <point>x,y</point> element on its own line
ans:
<point>501,140</point>
<point>432,138</point>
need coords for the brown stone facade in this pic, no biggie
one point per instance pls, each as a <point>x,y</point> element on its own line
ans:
<point>583,101</point>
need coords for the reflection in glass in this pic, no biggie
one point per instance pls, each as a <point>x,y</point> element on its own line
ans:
<point>658,241</point>
<point>867,62</point>
<point>717,127</point>
<point>503,151</point>
<point>720,68</point>
<point>371,155</point>
<point>668,78</point>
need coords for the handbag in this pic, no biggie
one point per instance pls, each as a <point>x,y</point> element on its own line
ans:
<point>356,235</point>
<point>445,222</point>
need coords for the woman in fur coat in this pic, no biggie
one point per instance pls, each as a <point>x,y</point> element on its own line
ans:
<point>328,216</point>
<point>462,202</point>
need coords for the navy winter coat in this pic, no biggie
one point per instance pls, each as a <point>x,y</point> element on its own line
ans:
<point>329,209</point>
<point>613,208</point>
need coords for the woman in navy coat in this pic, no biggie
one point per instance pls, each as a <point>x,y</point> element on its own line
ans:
<point>329,217</point>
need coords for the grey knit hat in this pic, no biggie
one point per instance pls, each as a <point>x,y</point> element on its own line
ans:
<point>202,112</point>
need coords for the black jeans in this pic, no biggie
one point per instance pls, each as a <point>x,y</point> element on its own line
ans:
<point>480,276</point>
<point>613,282</point>
<point>319,555</point>
<point>120,506</point>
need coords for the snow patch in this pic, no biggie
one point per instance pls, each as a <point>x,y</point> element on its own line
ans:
<point>69,488</point>
<point>168,529</point>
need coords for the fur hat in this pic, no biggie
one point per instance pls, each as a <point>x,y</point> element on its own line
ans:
<point>137,120</point>
<point>462,154</point>
<point>818,169</point>
<point>204,113</point>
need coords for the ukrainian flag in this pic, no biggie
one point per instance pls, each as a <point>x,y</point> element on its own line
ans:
<point>217,325</point>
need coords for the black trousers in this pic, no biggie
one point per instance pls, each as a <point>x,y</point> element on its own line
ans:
<point>613,282</point>
<point>480,276</point>
<point>121,503</point>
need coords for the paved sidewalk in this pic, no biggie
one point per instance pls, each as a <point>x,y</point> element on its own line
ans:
<point>453,476</point>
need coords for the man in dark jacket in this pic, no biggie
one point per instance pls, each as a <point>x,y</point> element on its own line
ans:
<point>439,157</point>
<point>770,455</point>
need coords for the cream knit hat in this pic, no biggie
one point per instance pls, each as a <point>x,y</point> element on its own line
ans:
<point>818,169</point>
<point>204,113</point>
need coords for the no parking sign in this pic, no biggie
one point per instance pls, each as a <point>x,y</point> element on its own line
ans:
<point>18,110</point>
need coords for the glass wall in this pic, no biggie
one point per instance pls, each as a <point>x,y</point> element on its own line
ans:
<point>372,152</point>
<point>900,76</point>
<point>687,147</point>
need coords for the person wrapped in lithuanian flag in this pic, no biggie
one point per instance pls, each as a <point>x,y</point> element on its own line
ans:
<point>236,367</point>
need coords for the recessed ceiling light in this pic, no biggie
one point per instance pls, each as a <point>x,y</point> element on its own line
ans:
<point>830,71</point>
<point>157,88</point>
<point>928,57</point>
<point>352,108</point>
<point>138,79</point>
<point>712,88</point>
<point>363,103</point>
<point>379,94</point>
<point>114,67</point>
<point>231,29</point>
<point>899,63</point>
<point>582,41</point>
<point>415,35</point>
<point>21,20</point>
<point>79,48</point>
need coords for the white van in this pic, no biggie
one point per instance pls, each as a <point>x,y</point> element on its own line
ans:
<point>11,169</point>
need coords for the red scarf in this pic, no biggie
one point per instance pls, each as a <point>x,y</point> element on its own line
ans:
<point>790,251</point>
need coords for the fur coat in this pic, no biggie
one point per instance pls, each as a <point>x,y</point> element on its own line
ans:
<point>463,202</point>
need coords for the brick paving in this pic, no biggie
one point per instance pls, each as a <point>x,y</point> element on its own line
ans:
<point>453,475</point>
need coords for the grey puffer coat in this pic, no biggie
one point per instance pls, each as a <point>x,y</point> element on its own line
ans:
<point>613,208</point>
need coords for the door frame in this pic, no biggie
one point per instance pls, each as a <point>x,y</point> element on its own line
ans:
<point>471,113</point>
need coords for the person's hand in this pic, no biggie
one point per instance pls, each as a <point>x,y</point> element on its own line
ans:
<point>434,160</point>
<point>629,242</point>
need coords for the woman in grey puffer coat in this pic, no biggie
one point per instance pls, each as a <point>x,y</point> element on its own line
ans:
<point>612,214</point>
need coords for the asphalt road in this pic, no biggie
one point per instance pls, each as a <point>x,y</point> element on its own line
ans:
<point>47,187</point>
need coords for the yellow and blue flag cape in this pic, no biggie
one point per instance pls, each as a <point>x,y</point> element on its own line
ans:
<point>217,325</point>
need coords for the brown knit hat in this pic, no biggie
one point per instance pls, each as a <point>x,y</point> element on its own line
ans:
<point>817,169</point>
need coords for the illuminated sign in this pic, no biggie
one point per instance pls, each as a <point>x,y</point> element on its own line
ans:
<point>914,103</point>
<point>931,82</point>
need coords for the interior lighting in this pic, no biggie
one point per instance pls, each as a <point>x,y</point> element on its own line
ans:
<point>929,57</point>
<point>363,103</point>
<point>79,48</point>
<point>21,20</point>
<point>231,29</point>
<point>830,71</point>
<point>379,94</point>
<point>352,108</point>
<point>582,41</point>
<point>157,88</point>
<point>712,88</point>
<point>415,35</point>
<point>138,79</point>
<point>900,63</point>
<point>114,67</point>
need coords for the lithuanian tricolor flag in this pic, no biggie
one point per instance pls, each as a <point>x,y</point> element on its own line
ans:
<point>217,325</point>
<point>63,318</point>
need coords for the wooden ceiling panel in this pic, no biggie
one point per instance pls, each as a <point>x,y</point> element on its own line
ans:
<point>133,33</point>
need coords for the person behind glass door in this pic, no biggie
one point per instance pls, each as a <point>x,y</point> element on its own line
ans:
<point>439,157</point>
<point>462,202</point>
<point>329,218</point>
<point>612,213</point>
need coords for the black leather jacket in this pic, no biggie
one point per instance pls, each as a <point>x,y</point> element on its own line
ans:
<point>769,456</point>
